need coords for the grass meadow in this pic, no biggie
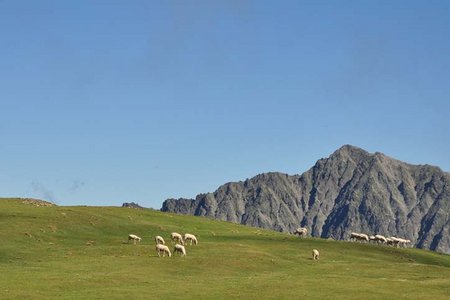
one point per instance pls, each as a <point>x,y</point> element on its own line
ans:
<point>81,252</point>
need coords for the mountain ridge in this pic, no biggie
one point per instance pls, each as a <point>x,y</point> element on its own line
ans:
<point>351,190</point>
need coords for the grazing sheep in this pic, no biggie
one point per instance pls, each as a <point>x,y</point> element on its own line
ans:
<point>134,238</point>
<point>315,254</point>
<point>176,237</point>
<point>372,238</point>
<point>380,239</point>
<point>180,249</point>
<point>393,241</point>
<point>190,237</point>
<point>301,231</point>
<point>396,241</point>
<point>407,242</point>
<point>162,249</point>
<point>363,237</point>
<point>359,237</point>
<point>354,236</point>
<point>403,242</point>
<point>159,240</point>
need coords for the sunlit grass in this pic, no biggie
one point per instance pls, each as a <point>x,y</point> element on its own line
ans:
<point>81,253</point>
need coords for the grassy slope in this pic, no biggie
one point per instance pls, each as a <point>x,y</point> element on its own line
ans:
<point>45,253</point>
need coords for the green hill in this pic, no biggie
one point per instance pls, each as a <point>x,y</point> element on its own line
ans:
<point>80,252</point>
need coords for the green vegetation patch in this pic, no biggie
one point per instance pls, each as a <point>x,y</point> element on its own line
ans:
<point>52,252</point>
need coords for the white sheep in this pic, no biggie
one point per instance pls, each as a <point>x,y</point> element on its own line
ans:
<point>176,237</point>
<point>134,238</point>
<point>315,254</point>
<point>359,236</point>
<point>354,236</point>
<point>190,237</point>
<point>403,242</point>
<point>396,241</point>
<point>163,249</point>
<point>301,231</point>
<point>363,237</point>
<point>180,249</point>
<point>159,240</point>
<point>380,239</point>
<point>372,238</point>
<point>392,241</point>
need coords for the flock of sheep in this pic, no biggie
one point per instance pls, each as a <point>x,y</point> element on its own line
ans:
<point>162,249</point>
<point>361,237</point>
<point>379,239</point>
<point>179,240</point>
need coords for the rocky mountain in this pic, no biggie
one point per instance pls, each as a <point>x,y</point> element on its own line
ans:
<point>352,190</point>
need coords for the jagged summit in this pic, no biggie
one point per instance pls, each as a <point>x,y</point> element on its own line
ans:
<point>351,190</point>
<point>356,154</point>
<point>350,150</point>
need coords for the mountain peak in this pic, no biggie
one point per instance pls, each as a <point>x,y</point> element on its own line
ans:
<point>350,151</point>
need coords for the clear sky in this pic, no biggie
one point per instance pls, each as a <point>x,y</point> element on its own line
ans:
<point>104,102</point>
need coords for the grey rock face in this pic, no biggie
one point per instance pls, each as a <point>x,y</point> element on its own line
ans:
<point>131,205</point>
<point>352,190</point>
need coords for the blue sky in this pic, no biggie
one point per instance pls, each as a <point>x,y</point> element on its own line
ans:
<point>104,102</point>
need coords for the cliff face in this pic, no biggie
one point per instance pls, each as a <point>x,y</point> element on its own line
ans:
<point>352,190</point>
